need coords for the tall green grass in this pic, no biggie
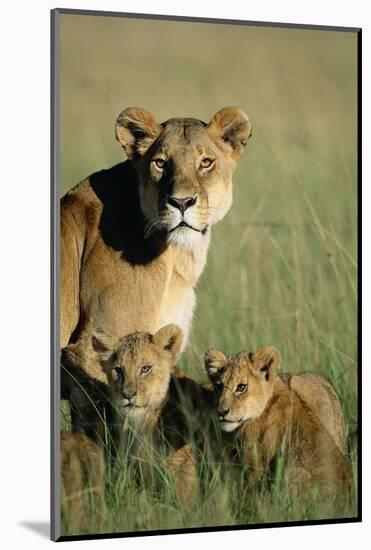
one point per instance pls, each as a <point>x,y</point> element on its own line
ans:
<point>221,497</point>
<point>282,267</point>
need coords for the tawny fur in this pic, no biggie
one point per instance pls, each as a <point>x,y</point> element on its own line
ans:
<point>124,264</point>
<point>160,408</point>
<point>82,482</point>
<point>323,401</point>
<point>263,416</point>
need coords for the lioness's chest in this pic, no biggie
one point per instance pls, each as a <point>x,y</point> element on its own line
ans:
<point>124,298</point>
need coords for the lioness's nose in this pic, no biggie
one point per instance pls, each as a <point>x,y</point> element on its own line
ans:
<point>182,204</point>
<point>223,412</point>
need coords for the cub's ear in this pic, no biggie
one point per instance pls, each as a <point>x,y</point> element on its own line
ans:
<point>266,362</point>
<point>104,344</point>
<point>169,338</point>
<point>232,127</point>
<point>136,130</point>
<point>214,363</point>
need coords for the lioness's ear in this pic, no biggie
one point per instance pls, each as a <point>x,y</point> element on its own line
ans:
<point>214,363</point>
<point>266,362</point>
<point>136,130</point>
<point>105,344</point>
<point>169,338</point>
<point>232,127</point>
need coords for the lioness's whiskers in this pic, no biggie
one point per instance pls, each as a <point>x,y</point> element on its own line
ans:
<point>151,226</point>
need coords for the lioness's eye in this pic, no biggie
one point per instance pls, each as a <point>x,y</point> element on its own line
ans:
<point>145,369</point>
<point>206,162</point>
<point>241,388</point>
<point>160,163</point>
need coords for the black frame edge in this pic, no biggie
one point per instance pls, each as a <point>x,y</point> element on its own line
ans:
<point>359,262</point>
<point>195,530</point>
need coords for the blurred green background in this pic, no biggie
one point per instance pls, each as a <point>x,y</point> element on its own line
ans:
<point>282,265</point>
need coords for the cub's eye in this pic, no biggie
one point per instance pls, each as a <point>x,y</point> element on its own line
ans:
<point>241,388</point>
<point>145,369</point>
<point>118,374</point>
<point>159,163</point>
<point>206,163</point>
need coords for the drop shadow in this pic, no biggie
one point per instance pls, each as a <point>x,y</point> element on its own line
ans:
<point>42,528</point>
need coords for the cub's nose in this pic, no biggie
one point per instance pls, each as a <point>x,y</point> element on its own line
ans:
<point>223,412</point>
<point>182,204</point>
<point>129,394</point>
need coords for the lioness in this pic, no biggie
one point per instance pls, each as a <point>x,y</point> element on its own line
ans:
<point>82,483</point>
<point>263,418</point>
<point>134,238</point>
<point>153,401</point>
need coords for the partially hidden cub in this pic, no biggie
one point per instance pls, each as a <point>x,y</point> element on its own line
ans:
<point>263,418</point>
<point>82,483</point>
<point>153,401</point>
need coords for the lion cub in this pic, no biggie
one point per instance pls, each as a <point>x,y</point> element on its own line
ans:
<point>263,418</point>
<point>151,399</point>
<point>82,483</point>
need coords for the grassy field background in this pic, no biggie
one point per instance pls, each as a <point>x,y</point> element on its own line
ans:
<point>282,265</point>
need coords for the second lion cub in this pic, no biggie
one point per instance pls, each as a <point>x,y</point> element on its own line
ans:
<point>263,418</point>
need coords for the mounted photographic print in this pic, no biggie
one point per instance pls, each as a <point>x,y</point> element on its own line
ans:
<point>205,206</point>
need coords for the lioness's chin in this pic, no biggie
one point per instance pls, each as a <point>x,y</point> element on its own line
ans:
<point>229,426</point>
<point>185,237</point>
